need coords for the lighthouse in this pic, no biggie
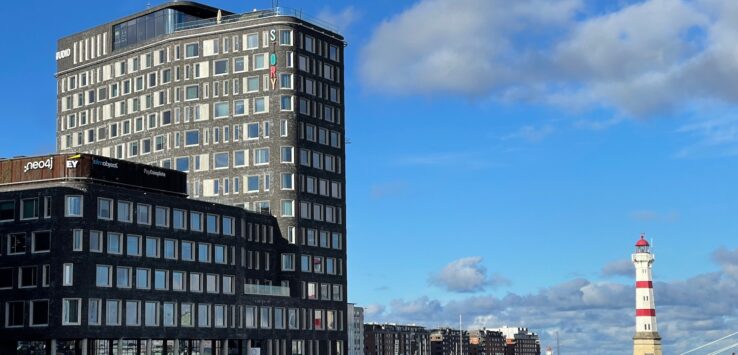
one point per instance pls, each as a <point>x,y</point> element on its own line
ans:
<point>647,340</point>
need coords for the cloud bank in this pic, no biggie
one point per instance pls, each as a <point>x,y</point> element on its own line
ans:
<point>466,275</point>
<point>589,314</point>
<point>634,59</point>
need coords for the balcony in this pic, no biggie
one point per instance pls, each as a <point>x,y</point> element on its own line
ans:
<point>266,290</point>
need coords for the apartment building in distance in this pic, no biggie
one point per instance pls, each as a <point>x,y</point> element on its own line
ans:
<point>486,342</point>
<point>395,339</point>
<point>355,329</point>
<point>250,106</point>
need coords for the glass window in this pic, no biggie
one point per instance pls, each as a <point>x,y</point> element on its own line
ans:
<point>16,243</point>
<point>221,67</point>
<point>41,241</point>
<point>220,160</point>
<point>170,249</point>
<point>143,213</point>
<point>96,243</point>
<point>195,282</point>
<point>261,156</point>
<point>151,314</point>
<point>133,245</point>
<point>212,223</point>
<point>27,276</point>
<point>68,275</point>
<point>285,37</point>
<point>259,105</point>
<point>185,319</point>
<point>125,213</point>
<point>112,312</point>
<point>219,315</point>
<point>152,247</point>
<point>287,155</point>
<point>73,206</point>
<point>143,279</point>
<point>103,276</point>
<point>192,138</point>
<point>252,84</point>
<point>192,92</point>
<point>114,243</point>
<point>211,283</point>
<point>203,252</point>
<point>288,207</point>
<point>123,277</point>
<point>221,109</point>
<point>15,314</point>
<point>260,61</point>
<point>133,313</point>
<point>250,316</point>
<point>220,254</point>
<point>252,41</point>
<point>7,211</point>
<point>169,314</point>
<point>286,103</point>
<point>179,217</point>
<point>228,285</point>
<point>29,208</point>
<point>178,280</point>
<point>238,65</point>
<point>252,183</point>
<point>288,262</point>
<point>239,107</point>
<point>287,181</point>
<point>196,221</point>
<point>70,311</point>
<point>252,131</point>
<point>77,240</point>
<point>265,317</point>
<point>162,217</point>
<point>192,50</point>
<point>161,280</point>
<point>203,315</point>
<point>188,251</point>
<point>93,311</point>
<point>228,225</point>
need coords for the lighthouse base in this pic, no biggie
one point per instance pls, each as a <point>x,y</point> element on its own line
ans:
<point>647,343</point>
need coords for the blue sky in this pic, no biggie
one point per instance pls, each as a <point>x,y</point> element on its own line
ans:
<point>505,158</point>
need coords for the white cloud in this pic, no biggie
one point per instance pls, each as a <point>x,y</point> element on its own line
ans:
<point>374,310</point>
<point>599,315</point>
<point>631,58</point>
<point>466,275</point>
<point>341,19</point>
<point>531,133</point>
<point>618,268</point>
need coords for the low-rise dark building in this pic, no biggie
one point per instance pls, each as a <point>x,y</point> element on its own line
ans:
<point>102,256</point>
<point>486,342</point>
<point>445,341</point>
<point>521,342</point>
<point>393,339</point>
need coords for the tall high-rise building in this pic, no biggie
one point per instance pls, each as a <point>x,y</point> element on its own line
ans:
<point>250,105</point>
<point>647,340</point>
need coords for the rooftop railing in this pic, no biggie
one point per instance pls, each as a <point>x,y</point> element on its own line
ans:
<point>249,16</point>
<point>266,290</point>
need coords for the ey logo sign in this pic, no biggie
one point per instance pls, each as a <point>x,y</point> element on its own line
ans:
<point>72,161</point>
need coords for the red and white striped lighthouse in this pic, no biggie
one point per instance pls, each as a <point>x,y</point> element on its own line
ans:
<point>646,339</point>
